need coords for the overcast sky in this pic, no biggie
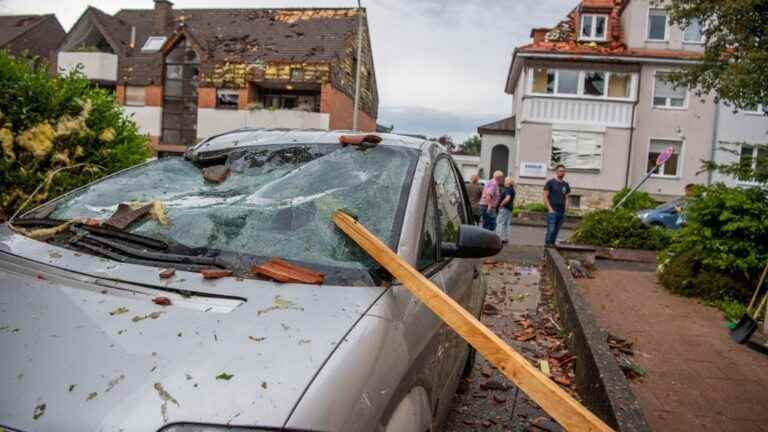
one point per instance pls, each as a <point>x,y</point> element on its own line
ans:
<point>441,65</point>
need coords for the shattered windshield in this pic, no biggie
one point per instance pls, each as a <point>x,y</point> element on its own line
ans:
<point>275,201</point>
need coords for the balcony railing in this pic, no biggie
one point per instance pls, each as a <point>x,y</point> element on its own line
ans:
<point>216,121</point>
<point>96,66</point>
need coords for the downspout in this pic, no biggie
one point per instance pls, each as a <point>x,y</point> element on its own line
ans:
<point>632,128</point>
<point>715,131</point>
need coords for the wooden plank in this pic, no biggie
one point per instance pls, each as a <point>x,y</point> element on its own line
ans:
<point>554,400</point>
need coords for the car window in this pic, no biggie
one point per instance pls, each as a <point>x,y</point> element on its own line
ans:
<point>428,245</point>
<point>450,204</point>
<point>277,201</point>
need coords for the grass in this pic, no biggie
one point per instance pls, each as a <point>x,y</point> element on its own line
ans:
<point>732,309</point>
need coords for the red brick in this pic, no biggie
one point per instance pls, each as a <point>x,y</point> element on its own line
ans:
<point>120,94</point>
<point>206,97</point>
<point>341,107</point>
<point>153,95</point>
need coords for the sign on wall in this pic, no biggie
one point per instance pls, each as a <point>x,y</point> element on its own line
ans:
<point>533,169</point>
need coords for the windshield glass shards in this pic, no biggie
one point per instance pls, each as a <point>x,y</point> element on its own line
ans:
<point>272,201</point>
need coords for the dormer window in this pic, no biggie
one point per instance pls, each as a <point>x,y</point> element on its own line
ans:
<point>153,44</point>
<point>593,27</point>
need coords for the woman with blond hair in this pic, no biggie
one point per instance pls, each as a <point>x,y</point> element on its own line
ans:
<point>506,204</point>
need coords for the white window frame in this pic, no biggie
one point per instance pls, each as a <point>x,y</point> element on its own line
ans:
<point>680,166</point>
<point>693,42</point>
<point>580,92</point>
<point>592,36</point>
<point>759,110</point>
<point>754,162</point>
<point>151,39</point>
<point>144,100</point>
<point>667,105</point>
<point>577,131</point>
<point>648,25</point>
<point>227,91</point>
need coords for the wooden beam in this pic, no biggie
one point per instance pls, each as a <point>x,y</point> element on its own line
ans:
<point>554,400</point>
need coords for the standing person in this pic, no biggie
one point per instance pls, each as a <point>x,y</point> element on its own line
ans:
<point>505,209</point>
<point>489,202</point>
<point>475,192</point>
<point>556,192</point>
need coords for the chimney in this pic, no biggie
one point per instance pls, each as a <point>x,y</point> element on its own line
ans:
<point>538,34</point>
<point>163,17</point>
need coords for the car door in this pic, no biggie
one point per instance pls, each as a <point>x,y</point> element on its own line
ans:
<point>458,275</point>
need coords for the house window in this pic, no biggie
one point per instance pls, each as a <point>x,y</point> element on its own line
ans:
<point>227,99</point>
<point>694,33</point>
<point>574,201</point>
<point>577,150</point>
<point>671,167</point>
<point>657,25</point>
<point>297,74</point>
<point>154,43</point>
<point>593,27</point>
<point>755,109</point>
<point>665,95</point>
<point>594,83</point>
<point>567,82</point>
<point>543,81</point>
<point>135,96</point>
<point>619,85</point>
<point>751,154</point>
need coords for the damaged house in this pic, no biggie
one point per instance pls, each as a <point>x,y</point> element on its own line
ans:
<point>589,93</point>
<point>31,35</point>
<point>188,74</point>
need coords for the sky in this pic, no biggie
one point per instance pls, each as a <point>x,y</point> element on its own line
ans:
<point>441,65</point>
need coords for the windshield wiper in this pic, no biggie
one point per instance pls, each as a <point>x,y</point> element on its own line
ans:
<point>145,254</point>
<point>96,250</point>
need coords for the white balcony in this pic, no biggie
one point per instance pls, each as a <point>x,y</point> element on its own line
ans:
<point>577,111</point>
<point>96,66</point>
<point>216,121</point>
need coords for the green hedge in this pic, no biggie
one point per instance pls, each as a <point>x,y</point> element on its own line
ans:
<point>619,229</point>
<point>637,201</point>
<point>723,247</point>
<point>48,122</point>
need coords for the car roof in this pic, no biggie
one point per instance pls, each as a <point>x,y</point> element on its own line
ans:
<point>247,137</point>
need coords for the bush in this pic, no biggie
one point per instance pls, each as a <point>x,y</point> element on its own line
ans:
<point>530,207</point>
<point>637,201</point>
<point>49,122</point>
<point>723,247</point>
<point>619,229</point>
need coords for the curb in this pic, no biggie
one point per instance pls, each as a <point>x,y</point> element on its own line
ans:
<point>599,381</point>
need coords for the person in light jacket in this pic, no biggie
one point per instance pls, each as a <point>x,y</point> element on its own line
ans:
<point>489,202</point>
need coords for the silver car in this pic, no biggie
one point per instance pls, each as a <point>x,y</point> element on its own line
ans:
<point>85,346</point>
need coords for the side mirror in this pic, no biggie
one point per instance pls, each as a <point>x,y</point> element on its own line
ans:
<point>473,242</point>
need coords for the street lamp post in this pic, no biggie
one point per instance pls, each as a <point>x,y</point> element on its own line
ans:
<point>359,64</point>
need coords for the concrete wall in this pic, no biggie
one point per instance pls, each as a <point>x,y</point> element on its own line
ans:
<point>635,24</point>
<point>468,165</point>
<point>694,125</point>
<point>149,119</point>
<point>536,146</point>
<point>216,121</point>
<point>734,128</point>
<point>488,143</point>
<point>95,65</point>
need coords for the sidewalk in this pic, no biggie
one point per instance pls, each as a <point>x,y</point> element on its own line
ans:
<point>697,378</point>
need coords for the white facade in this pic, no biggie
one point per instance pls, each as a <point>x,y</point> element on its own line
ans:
<point>149,119</point>
<point>739,133</point>
<point>493,144</point>
<point>96,66</point>
<point>211,121</point>
<point>468,165</point>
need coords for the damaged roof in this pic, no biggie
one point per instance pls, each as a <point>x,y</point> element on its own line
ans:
<point>311,35</point>
<point>13,26</point>
<point>501,127</point>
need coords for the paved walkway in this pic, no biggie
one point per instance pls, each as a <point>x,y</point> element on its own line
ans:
<point>697,378</point>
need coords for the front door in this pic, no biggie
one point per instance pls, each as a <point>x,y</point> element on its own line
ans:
<point>180,96</point>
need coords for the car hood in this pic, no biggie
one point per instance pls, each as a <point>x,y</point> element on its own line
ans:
<point>84,351</point>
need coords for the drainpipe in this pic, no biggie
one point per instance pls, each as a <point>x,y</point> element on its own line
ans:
<point>715,132</point>
<point>632,129</point>
<point>359,64</point>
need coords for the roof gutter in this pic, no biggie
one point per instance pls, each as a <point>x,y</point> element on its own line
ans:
<point>628,59</point>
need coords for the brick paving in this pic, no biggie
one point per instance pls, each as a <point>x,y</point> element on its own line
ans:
<point>697,378</point>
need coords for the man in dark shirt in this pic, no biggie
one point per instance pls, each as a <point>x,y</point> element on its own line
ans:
<point>556,192</point>
<point>475,191</point>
